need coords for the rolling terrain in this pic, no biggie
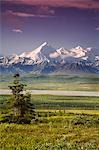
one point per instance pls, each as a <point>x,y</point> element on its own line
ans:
<point>62,122</point>
<point>54,82</point>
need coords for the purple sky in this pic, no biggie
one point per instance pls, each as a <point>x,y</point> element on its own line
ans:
<point>25,24</point>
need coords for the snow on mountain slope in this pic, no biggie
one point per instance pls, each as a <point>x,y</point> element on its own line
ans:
<point>24,54</point>
<point>13,59</point>
<point>40,48</point>
<point>36,55</point>
<point>97,58</point>
<point>72,55</point>
<point>3,60</point>
<point>47,59</point>
<point>61,52</point>
<point>78,52</point>
<point>34,52</point>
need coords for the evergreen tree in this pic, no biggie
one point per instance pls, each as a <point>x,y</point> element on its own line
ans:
<point>20,106</point>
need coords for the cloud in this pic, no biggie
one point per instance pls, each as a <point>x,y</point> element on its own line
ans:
<point>18,14</point>
<point>17,30</point>
<point>26,15</point>
<point>97,28</point>
<point>82,4</point>
<point>45,10</point>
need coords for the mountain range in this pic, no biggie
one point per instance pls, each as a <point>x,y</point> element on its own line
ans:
<point>47,60</point>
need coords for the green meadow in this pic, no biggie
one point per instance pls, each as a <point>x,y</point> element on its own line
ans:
<point>61,102</point>
<point>62,123</point>
<point>55,82</point>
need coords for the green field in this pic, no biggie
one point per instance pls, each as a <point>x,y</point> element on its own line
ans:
<point>62,102</point>
<point>62,123</point>
<point>61,132</point>
<point>55,82</point>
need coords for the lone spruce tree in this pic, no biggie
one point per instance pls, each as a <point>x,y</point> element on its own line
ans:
<point>21,108</point>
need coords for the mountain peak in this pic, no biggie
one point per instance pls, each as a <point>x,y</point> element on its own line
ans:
<point>46,59</point>
<point>78,47</point>
<point>37,50</point>
<point>62,51</point>
<point>44,44</point>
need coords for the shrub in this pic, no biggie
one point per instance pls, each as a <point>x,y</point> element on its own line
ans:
<point>85,120</point>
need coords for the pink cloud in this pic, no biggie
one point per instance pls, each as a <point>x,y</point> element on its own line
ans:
<point>19,14</point>
<point>45,10</point>
<point>26,15</point>
<point>17,30</point>
<point>83,4</point>
<point>97,28</point>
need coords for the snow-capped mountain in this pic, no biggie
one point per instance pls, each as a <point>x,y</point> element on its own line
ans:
<point>36,55</point>
<point>46,59</point>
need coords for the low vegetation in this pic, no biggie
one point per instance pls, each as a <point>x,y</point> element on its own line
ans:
<point>73,126</point>
<point>56,82</point>
<point>54,131</point>
<point>61,102</point>
<point>58,123</point>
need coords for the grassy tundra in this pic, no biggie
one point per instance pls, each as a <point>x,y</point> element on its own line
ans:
<point>55,82</point>
<point>62,123</point>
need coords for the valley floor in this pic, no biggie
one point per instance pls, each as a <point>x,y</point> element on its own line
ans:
<point>62,123</point>
<point>54,82</point>
<point>54,92</point>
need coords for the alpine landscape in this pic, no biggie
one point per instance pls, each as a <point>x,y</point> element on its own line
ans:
<point>49,74</point>
<point>48,60</point>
